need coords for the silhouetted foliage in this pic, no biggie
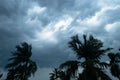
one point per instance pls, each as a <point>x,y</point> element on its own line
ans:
<point>20,66</point>
<point>1,75</point>
<point>114,64</point>
<point>89,53</point>
<point>55,74</point>
<point>59,74</point>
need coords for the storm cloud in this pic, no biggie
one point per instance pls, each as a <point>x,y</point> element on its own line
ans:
<point>48,25</point>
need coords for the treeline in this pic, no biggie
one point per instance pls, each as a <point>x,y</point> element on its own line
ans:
<point>89,63</point>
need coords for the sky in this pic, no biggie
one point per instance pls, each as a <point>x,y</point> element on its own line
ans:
<point>48,25</point>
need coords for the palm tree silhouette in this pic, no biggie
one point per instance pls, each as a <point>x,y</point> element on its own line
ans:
<point>114,64</point>
<point>89,53</point>
<point>58,74</point>
<point>21,67</point>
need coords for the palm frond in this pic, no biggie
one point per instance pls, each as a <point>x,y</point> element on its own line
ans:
<point>75,45</point>
<point>68,64</point>
<point>115,70</point>
<point>85,39</point>
<point>71,67</point>
<point>104,65</point>
<point>104,76</point>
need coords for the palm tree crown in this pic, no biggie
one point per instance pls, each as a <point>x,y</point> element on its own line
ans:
<point>21,67</point>
<point>89,53</point>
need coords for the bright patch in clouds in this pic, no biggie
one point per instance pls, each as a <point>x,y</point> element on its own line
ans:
<point>46,35</point>
<point>112,27</point>
<point>63,24</point>
<point>97,19</point>
<point>93,21</point>
<point>109,27</point>
<point>36,9</point>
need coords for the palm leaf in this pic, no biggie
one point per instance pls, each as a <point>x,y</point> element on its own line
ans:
<point>71,67</point>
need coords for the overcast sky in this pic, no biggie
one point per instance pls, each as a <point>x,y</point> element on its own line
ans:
<point>48,25</point>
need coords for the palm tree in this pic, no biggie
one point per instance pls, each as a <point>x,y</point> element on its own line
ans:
<point>89,53</point>
<point>20,66</point>
<point>114,64</point>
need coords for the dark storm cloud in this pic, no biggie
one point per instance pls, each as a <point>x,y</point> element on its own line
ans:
<point>12,29</point>
<point>55,11</point>
<point>12,18</point>
<point>49,24</point>
<point>59,8</point>
<point>13,8</point>
<point>57,5</point>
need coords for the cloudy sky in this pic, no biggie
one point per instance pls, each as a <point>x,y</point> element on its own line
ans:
<point>49,24</point>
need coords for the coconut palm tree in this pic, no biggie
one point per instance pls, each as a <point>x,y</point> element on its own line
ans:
<point>114,64</point>
<point>89,53</point>
<point>21,66</point>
